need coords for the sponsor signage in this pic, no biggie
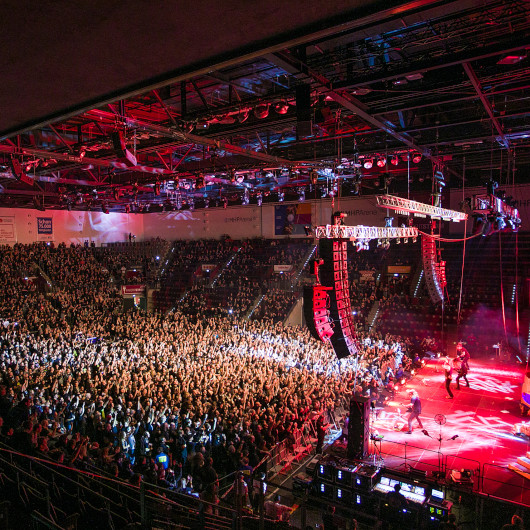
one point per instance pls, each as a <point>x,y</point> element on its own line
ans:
<point>283,268</point>
<point>132,290</point>
<point>44,226</point>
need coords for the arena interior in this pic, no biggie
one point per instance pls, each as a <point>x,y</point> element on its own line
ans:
<point>265,265</point>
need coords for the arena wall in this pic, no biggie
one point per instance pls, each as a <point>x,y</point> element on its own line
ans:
<point>26,226</point>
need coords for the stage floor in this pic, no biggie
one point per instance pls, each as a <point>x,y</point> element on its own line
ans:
<point>478,430</point>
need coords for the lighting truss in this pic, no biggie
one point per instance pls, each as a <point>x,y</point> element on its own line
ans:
<point>419,208</point>
<point>364,232</point>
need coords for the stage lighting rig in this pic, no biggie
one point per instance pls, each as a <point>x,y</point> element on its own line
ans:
<point>493,211</point>
<point>419,209</point>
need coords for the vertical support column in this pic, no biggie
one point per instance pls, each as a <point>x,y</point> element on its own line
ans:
<point>183,101</point>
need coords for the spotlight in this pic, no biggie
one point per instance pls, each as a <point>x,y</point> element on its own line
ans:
<point>281,107</point>
<point>368,163</point>
<point>394,160</point>
<point>416,158</point>
<point>243,116</point>
<point>381,162</point>
<point>499,224</point>
<point>301,195</point>
<point>261,111</point>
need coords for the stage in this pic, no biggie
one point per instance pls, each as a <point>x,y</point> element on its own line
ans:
<point>477,434</point>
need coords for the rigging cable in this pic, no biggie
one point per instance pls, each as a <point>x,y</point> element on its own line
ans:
<point>463,252</point>
<point>502,290</point>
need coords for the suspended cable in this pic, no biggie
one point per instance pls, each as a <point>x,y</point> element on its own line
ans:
<point>463,254</point>
<point>502,290</point>
<point>461,279</point>
<point>445,240</point>
<point>517,291</point>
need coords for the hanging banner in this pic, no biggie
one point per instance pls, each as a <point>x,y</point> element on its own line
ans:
<point>7,229</point>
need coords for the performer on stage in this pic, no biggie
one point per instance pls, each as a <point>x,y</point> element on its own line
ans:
<point>463,355</point>
<point>415,410</point>
<point>462,372</point>
<point>448,368</point>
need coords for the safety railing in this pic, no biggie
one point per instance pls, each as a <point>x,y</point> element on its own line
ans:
<point>500,482</point>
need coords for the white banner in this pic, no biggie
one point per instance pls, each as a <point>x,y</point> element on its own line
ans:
<point>283,268</point>
<point>7,229</point>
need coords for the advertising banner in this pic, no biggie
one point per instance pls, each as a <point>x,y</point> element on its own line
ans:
<point>7,229</point>
<point>283,268</point>
<point>132,290</point>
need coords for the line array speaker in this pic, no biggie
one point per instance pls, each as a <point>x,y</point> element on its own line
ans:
<point>316,312</point>
<point>334,274</point>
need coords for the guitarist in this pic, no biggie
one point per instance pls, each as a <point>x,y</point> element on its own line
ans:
<point>414,410</point>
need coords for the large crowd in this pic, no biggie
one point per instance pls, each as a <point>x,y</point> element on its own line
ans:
<point>176,399</point>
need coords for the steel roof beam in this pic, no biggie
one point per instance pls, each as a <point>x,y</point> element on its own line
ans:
<point>190,137</point>
<point>485,102</point>
<point>349,102</point>
<point>516,42</point>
